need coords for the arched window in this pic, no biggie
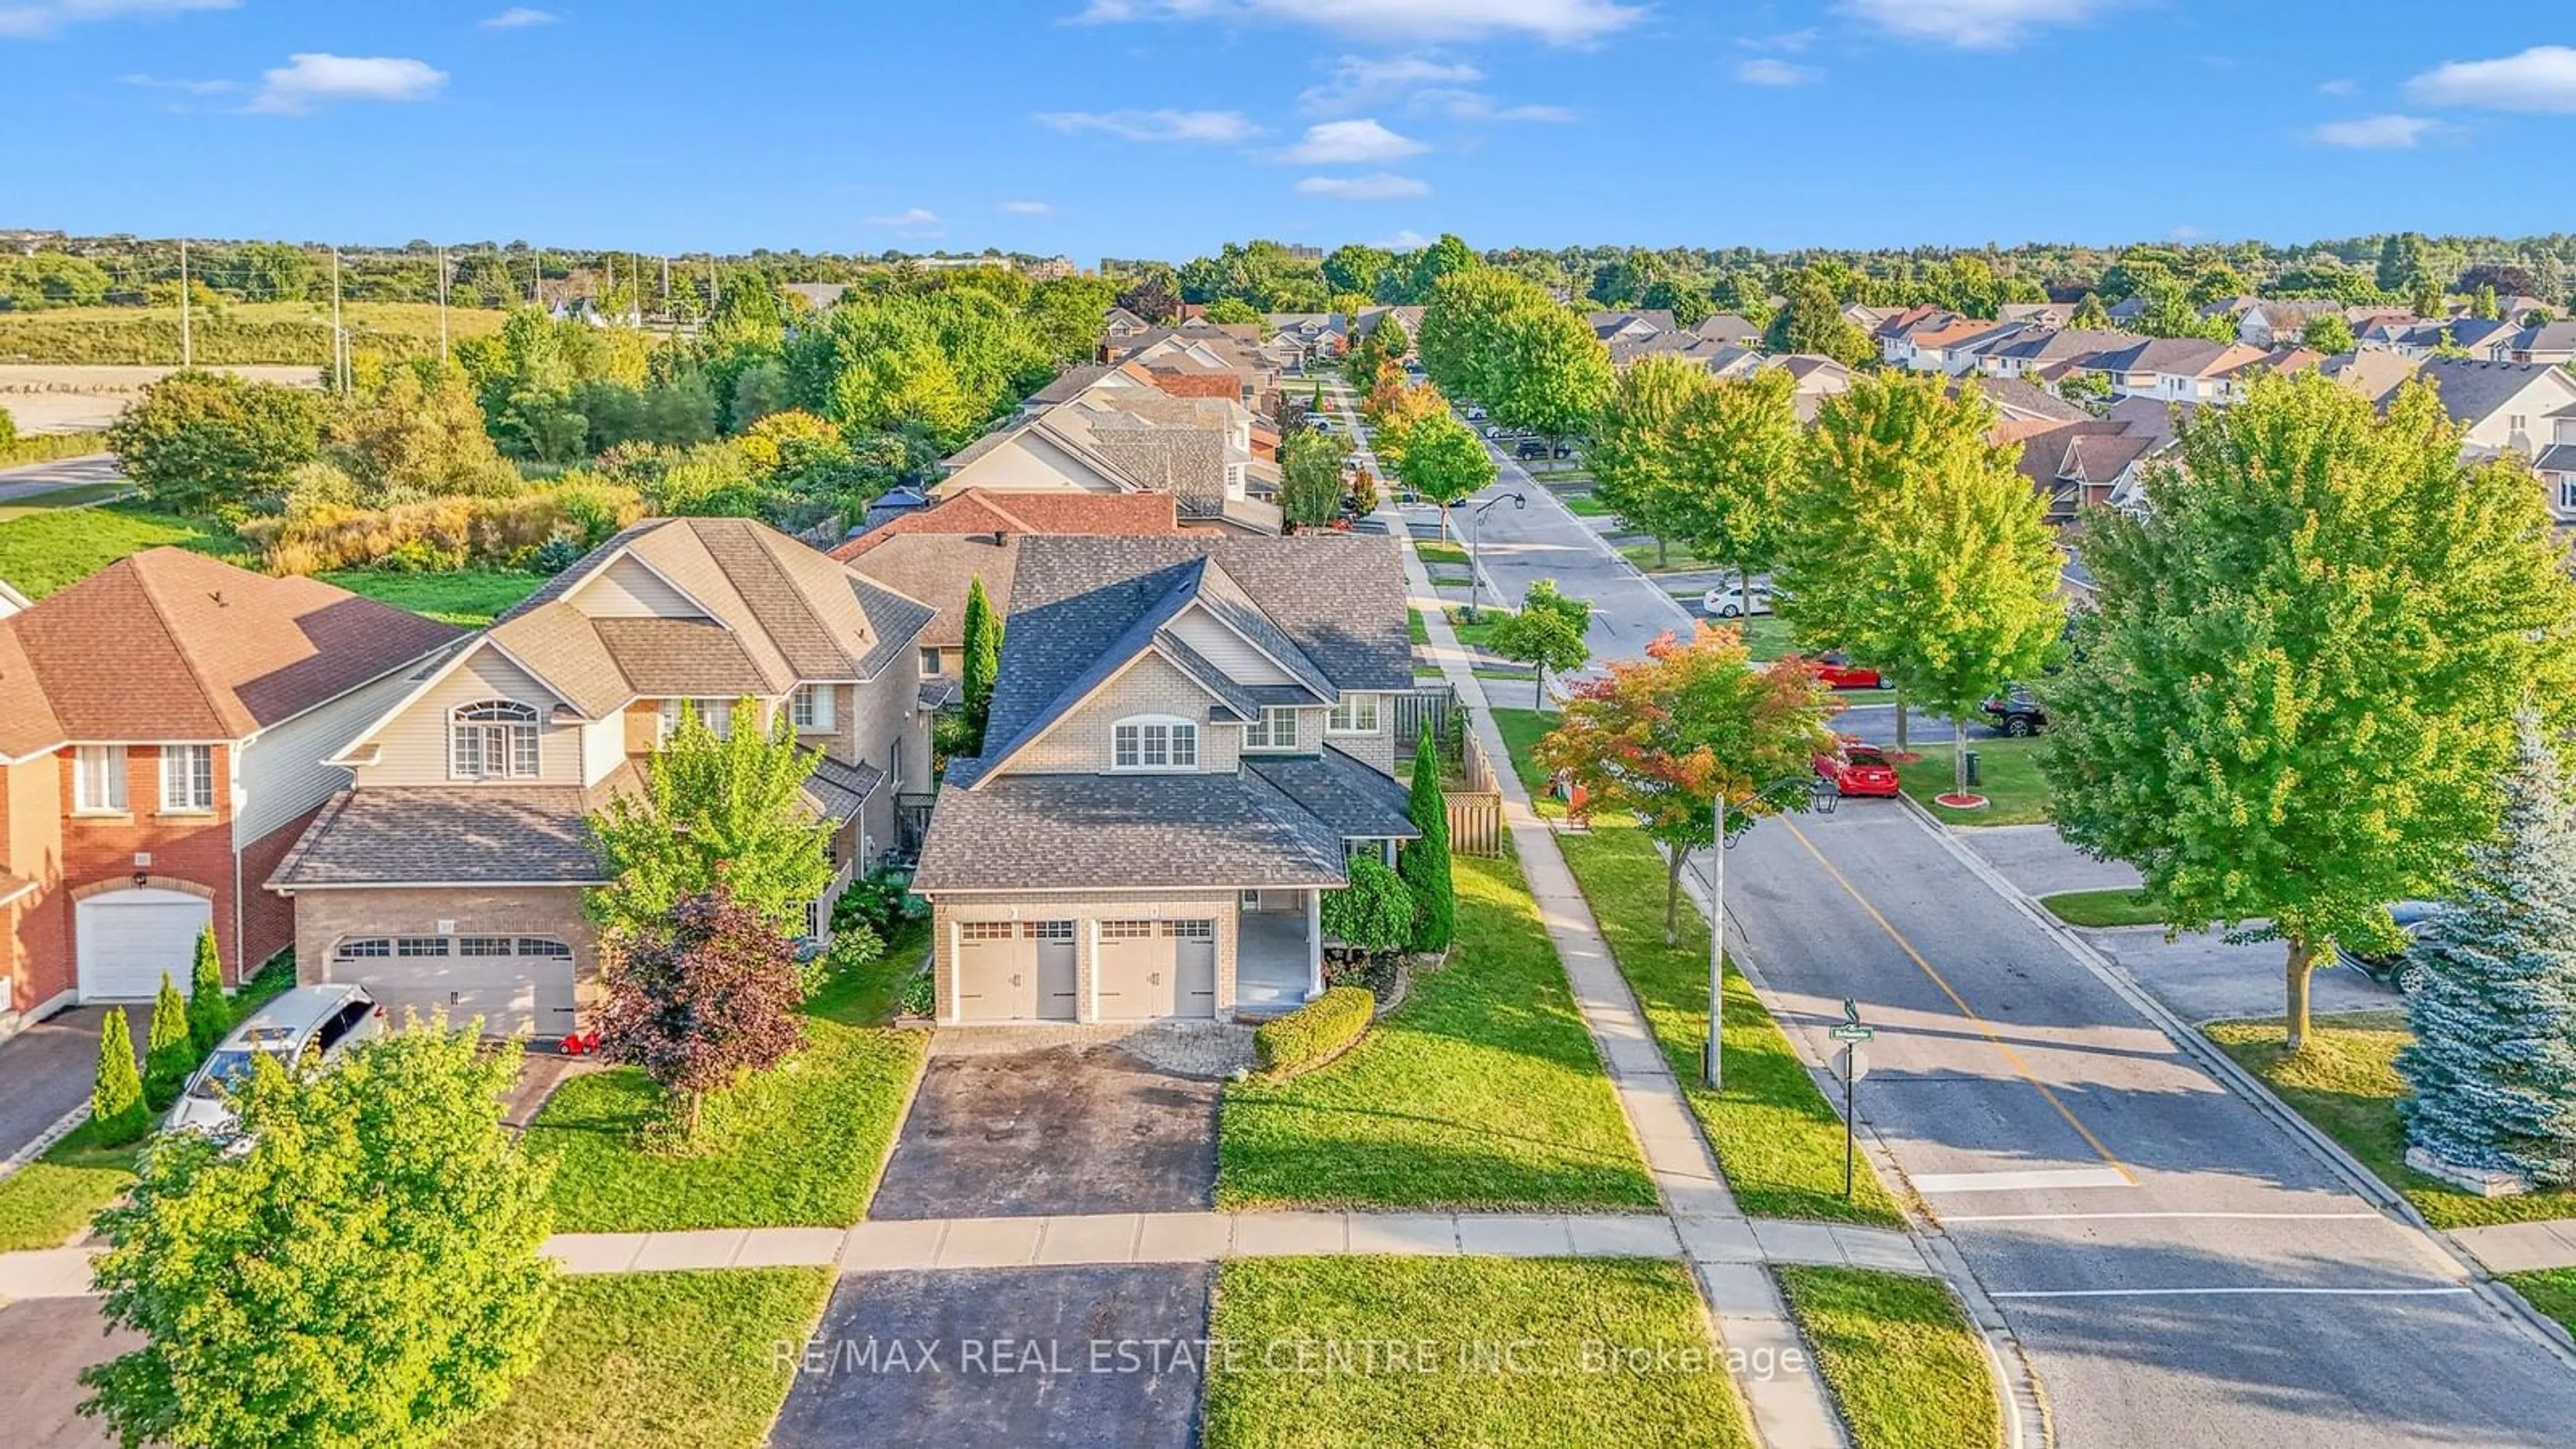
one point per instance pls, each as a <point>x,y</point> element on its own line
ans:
<point>1154,742</point>
<point>494,739</point>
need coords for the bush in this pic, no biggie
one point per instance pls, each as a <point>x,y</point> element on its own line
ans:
<point>116,1101</point>
<point>853,947</point>
<point>209,1015</point>
<point>875,903</point>
<point>1374,913</point>
<point>1320,1029</point>
<point>919,996</point>
<point>439,534</point>
<point>168,1057</point>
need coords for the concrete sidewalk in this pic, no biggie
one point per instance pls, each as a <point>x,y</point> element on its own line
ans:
<point>2521,1247</point>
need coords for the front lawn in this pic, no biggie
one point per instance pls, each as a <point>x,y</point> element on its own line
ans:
<point>660,1361</point>
<point>1676,559</point>
<point>1454,1320</point>
<point>800,1146</point>
<point>469,596</point>
<point>867,996</point>
<point>1476,633</point>
<point>1585,505</point>
<point>46,1202</point>
<point>2102,908</point>
<point>2346,1085</point>
<point>1435,552</point>
<point>1482,1091</point>
<point>1900,1357</point>
<point>2551,1290</point>
<point>44,551</point>
<point>2016,792</point>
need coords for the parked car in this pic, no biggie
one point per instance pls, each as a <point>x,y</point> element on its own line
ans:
<point>2390,968</point>
<point>325,1020</point>
<point>1838,672</point>
<point>2015,712</point>
<point>1857,769</point>
<point>1475,415</point>
<point>1726,601</point>
<point>1531,448</point>
<point>1322,423</point>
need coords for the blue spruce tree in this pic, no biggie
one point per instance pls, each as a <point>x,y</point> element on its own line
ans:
<point>2493,1002</point>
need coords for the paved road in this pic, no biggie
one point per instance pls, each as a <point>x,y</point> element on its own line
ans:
<point>34,478</point>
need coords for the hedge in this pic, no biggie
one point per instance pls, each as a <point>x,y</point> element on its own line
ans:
<point>1315,1032</point>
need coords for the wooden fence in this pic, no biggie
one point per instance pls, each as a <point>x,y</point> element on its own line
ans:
<point>1476,812</point>
<point>1425,704</point>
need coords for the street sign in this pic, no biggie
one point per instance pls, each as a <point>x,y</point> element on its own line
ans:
<point>1850,1032</point>
<point>1851,1063</point>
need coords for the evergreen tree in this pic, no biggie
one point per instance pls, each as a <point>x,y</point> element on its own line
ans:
<point>2493,1005</point>
<point>2090,314</point>
<point>983,656</point>
<point>116,1102</point>
<point>167,1056</point>
<point>209,1016</point>
<point>1425,862</point>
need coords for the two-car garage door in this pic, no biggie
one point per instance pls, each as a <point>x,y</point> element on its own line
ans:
<point>1026,970</point>
<point>519,985</point>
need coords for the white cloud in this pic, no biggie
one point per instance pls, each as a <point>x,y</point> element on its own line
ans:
<point>1025,208</point>
<point>1343,143</point>
<point>45,17</point>
<point>1791,41</point>
<point>312,79</point>
<point>1222,128</point>
<point>1363,80</point>
<point>1465,105</point>
<point>2376,133</point>
<point>519,17</point>
<point>2542,78</point>
<point>1972,24</point>
<point>912,221</point>
<point>191,87</point>
<point>1405,241</point>
<point>1772,71</point>
<point>1376,186</point>
<point>1558,22</point>
<point>2339,87</point>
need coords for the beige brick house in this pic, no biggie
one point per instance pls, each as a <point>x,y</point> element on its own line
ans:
<point>1189,738</point>
<point>450,874</point>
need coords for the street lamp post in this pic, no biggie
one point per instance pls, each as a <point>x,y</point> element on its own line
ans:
<point>1712,1068</point>
<point>1476,548</point>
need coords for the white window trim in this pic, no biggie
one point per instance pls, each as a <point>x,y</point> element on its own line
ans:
<point>111,765</point>
<point>1348,709</point>
<point>172,754</point>
<point>811,709</point>
<point>507,717</point>
<point>1267,739</point>
<point>715,714</point>
<point>1177,730</point>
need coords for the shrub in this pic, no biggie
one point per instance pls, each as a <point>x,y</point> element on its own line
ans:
<point>209,1015</point>
<point>1425,862</point>
<point>116,1101</point>
<point>438,534</point>
<point>919,996</point>
<point>853,947</point>
<point>874,903</point>
<point>168,1057</point>
<point>1374,913</point>
<point>1314,1032</point>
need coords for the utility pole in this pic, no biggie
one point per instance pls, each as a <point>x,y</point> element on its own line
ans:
<point>339,337</point>
<point>713,292</point>
<point>187,341</point>
<point>666,286</point>
<point>442,306</point>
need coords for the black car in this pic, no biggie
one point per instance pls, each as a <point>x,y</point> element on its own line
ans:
<point>2015,713</point>
<point>2391,968</point>
<point>1531,448</point>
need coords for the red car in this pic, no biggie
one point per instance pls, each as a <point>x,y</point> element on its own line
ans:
<point>1838,672</point>
<point>1858,769</point>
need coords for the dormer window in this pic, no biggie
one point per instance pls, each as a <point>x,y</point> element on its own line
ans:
<point>1275,730</point>
<point>1154,743</point>
<point>494,739</point>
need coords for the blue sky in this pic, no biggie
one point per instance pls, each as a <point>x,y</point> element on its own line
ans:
<point>1161,127</point>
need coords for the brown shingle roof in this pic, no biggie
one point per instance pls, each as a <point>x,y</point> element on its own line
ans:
<point>171,645</point>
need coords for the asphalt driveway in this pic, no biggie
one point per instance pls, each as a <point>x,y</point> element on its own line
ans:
<point>46,1343</point>
<point>1070,1129</point>
<point>47,1069</point>
<point>1004,1357</point>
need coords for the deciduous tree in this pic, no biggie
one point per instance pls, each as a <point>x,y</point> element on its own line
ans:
<point>2328,332</point>
<point>1736,448</point>
<point>1444,461</point>
<point>2296,690</point>
<point>710,993</point>
<point>1310,477</point>
<point>727,807</point>
<point>1547,633</point>
<point>1662,737</point>
<point>198,440</point>
<point>1372,915</point>
<point>365,1274</point>
<point>1635,468</point>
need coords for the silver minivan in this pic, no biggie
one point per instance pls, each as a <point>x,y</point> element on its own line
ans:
<point>324,1020</point>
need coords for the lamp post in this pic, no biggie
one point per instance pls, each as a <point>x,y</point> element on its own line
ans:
<point>1823,797</point>
<point>1476,548</point>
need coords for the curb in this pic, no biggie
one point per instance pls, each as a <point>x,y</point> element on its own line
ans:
<point>61,1127</point>
<point>2508,1304</point>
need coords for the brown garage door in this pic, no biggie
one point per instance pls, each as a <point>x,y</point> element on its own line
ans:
<point>1135,972</point>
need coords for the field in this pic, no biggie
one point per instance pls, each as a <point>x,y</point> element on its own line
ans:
<point>286,333</point>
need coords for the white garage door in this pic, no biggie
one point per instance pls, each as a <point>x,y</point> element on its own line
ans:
<point>127,938</point>
<point>519,985</point>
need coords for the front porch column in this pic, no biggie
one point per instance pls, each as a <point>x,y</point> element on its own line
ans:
<point>1314,944</point>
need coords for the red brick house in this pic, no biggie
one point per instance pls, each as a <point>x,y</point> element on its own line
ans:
<point>162,728</point>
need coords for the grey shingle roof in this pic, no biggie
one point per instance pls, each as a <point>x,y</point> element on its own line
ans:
<point>2472,389</point>
<point>837,788</point>
<point>1091,832</point>
<point>423,835</point>
<point>1356,800</point>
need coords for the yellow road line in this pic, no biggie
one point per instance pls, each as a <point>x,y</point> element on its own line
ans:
<point>1992,1037</point>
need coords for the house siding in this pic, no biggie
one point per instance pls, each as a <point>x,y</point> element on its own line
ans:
<point>412,747</point>
<point>627,589</point>
<point>281,773</point>
<point>1079,743</point>
<point>1228,650</point>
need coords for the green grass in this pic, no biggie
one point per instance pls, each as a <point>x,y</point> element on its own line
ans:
<point>45,551</point>
<point>1521,730</point>
<point>1676,558</point>
<point>1415,627</point>
<point>1482,1091</point>
<point>46,1202</point>
<point>2346,1085</point>
<point>79,495</point>
<point>1585,505</point>
<point>1435,552</point>
<point>2551,1290</point>
<point>799,1146</point>
<point>1480,633</point>
<point>238,333</point>
<point>49,447</point>
<point>660,1361</point>
<point>2016,792</point>
<point>1900,1357</point>
<point>469,596</point>
<point>1275,1309</point>
<point>866,997</point>
<point>2102,908</point>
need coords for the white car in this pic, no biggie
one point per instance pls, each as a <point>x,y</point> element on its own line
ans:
<point>1726,601</point>
<point>325,1020</point>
